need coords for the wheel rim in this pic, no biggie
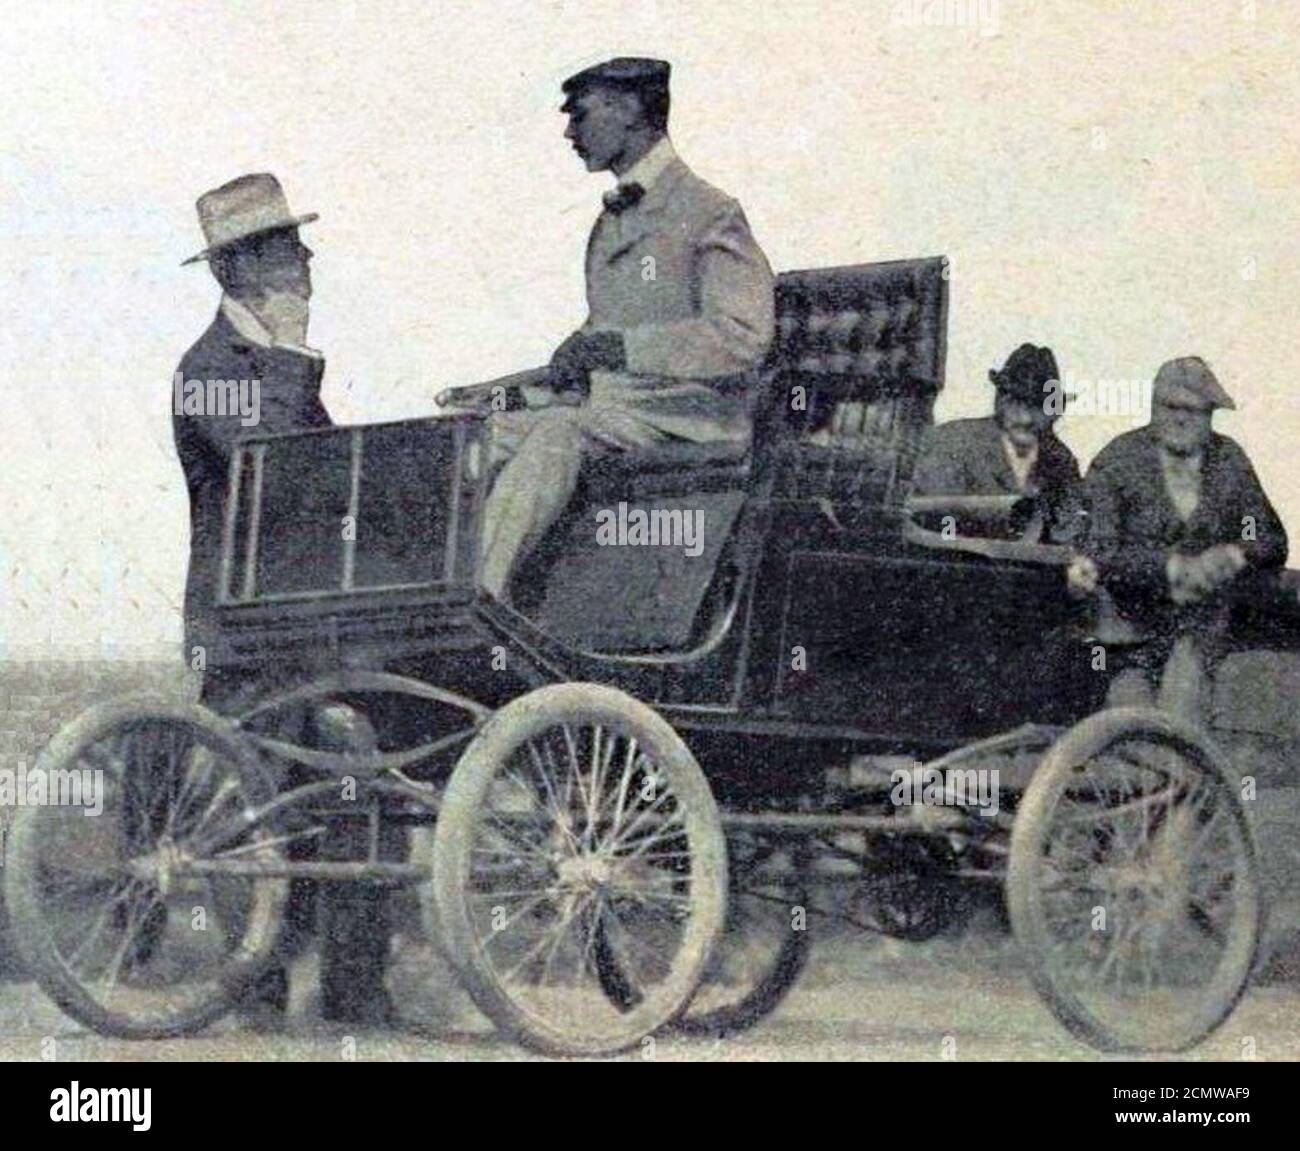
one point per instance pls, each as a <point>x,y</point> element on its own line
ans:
<point>581,876</point>
<point>146,942</point>
<point>1144,903</point>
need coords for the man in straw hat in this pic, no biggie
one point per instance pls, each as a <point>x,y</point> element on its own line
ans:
<point>681,310</point>
<point>258,338</point>
<point>1176,517</point>
<point>255,255</point>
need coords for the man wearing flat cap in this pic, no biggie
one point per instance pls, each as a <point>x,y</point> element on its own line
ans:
<point>1176,517</point>
<point>1015,451</point>
<point>680,312</point>
<point>259,336</point>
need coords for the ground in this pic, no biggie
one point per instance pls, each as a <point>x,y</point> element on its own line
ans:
<point>861,998</point>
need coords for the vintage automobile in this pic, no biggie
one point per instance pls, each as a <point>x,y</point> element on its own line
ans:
<point>651,776</point>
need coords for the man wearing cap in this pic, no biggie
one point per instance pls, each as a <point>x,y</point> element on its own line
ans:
<point>1176,516</point>
<point>259,334</point>
<point>680,301</point>
<point>1015,451</point>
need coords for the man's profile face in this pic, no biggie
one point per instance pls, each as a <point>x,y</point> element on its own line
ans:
<point>600,123</point>
<point>1024,422</point>
<point>285,263</point>
<point>274,263</point>
<point>1181,428</point>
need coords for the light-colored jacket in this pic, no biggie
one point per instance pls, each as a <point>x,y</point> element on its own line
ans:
<point>681,277</point>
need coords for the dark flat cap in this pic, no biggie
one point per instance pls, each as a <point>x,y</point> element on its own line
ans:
<point>633,72</point>
<point>1026,373</point>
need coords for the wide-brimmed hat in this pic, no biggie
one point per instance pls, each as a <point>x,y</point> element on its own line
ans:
<point>247,206</point>
<point>1188,383</point>
<point>1026,373</point>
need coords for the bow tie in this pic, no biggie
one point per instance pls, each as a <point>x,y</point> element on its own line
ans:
<point>623,197</point>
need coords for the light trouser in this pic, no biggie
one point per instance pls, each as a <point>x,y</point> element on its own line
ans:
<point>543,451</point>
<point>1182,685</point>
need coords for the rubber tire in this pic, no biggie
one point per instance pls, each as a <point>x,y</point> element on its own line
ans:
<point>29,929</point>
<point>540,710</point>
<point>1079,744</point>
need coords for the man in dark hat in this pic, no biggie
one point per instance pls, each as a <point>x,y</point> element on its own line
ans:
<point>1012,452</point>
<point>258,338</point>
<point>1176,517</point>
<point>680,302</point>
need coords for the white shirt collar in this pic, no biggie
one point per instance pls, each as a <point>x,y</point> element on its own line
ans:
<point>1021,465</point>
<point>243,319</point>
<point>651,166</point>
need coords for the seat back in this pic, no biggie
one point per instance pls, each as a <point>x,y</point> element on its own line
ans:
<point>839,409</point>
<point>857,361</point>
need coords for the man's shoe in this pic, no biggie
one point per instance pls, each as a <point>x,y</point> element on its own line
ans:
<point>265,1006</point>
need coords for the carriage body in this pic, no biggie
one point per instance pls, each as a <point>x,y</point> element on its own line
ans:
<point>354,547</point>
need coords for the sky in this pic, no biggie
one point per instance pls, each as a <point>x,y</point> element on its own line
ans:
<point>1115,180</point>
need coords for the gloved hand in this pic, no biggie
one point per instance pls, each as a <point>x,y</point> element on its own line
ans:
<point>583,353</point>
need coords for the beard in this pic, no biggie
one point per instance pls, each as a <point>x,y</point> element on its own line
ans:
<point>285,313</point>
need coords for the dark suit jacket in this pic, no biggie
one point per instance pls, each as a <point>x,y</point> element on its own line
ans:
<point>289,385</point>
<point>1134,527</point>
<point>965,457</point>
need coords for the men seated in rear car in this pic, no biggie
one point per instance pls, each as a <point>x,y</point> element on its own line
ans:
<point>1012,452</point>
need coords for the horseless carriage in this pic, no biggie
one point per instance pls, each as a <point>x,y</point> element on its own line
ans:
<point>644,775</point>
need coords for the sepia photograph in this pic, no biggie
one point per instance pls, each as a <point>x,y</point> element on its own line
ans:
<point>651,532</point>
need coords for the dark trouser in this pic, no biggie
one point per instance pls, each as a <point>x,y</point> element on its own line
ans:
<point>352,918</point>
<point>355,921</point>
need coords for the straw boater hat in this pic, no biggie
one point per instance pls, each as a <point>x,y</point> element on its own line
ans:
<point>247,206</point>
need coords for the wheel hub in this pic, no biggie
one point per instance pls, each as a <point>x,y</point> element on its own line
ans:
<point>586,871</point>
<point>161,865</point>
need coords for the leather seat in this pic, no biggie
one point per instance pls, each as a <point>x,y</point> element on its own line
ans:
<point>669,469</point>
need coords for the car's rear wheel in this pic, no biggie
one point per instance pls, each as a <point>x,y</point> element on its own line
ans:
<point>1132,884</point>
<point>766,941</point>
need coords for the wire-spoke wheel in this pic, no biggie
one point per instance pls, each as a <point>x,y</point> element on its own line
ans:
<point>579,870</point>
<point>1132,883</point>
<point>765,942</point>
<point>111,908</point>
